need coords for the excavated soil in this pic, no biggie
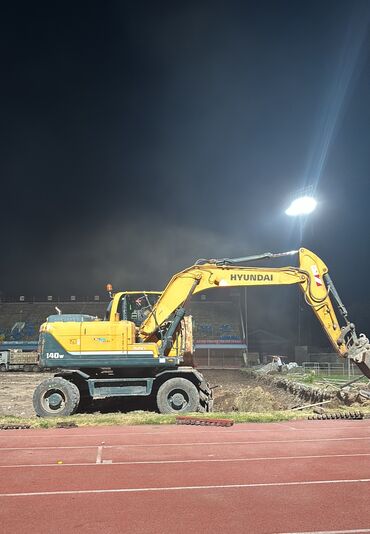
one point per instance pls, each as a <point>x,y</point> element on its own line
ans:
<point>235,391</point>
<point>16,390</point>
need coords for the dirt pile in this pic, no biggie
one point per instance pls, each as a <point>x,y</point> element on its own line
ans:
<point>16,390</point>
<point>255,399</point>
<point>238,391</point>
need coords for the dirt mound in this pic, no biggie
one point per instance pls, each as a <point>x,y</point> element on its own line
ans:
<point>255,399</point>
<point>238,391</point>
<point>248,399</point>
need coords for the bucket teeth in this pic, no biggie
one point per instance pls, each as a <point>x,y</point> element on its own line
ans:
<point>188,420</point>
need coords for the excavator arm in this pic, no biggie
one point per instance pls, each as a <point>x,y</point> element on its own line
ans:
<point>311,275</point>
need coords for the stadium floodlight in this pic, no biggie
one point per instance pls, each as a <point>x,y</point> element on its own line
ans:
<point>301,206</point>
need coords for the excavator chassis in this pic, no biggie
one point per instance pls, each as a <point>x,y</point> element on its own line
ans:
<point>187,391</point>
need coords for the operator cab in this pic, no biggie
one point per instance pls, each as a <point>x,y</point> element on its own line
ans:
<point>134,306</point>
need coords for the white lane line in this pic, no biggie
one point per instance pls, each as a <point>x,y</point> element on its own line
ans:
<point>282,425</point>
<point>184,488</point>
<point>328,531</point>
<point>99,455</point>
<point>190,430</point>
<point>190,461</point>
<point>52,447</point>
<point>188,444</point>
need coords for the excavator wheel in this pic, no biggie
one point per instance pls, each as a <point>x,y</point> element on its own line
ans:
<point>177,395</point>
<point>55,397</point>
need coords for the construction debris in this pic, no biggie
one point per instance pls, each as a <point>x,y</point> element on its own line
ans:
<point>310,405</point>
<point>10,426</point>
<point>273,367</point>
<point>340,415</point>
<point>188,420</point>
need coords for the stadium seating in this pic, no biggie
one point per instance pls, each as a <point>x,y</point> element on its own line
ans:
<point>216,321</point>
<point>20,321</point>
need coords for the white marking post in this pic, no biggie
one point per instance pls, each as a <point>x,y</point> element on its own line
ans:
<point>99,455</point>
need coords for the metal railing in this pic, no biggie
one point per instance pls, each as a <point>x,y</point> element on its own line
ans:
<point>21,299</point>
<point>346,368</point>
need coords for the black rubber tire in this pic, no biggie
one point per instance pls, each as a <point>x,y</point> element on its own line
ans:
<point>27,368</point>
<point>177,395</point>
<point>35,368</point>
<point>68,392</point>
<point>2,368</point>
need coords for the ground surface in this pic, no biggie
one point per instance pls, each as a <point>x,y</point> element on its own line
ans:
<point>16,390</point>
<point>301,476</point>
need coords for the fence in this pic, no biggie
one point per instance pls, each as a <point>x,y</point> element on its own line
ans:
<point>346,368</point>
<point>218,359</point>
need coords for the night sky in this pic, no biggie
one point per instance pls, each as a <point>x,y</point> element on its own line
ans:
<point>139,136</point>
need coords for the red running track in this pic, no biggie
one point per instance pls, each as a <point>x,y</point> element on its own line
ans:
<point>306,476</point>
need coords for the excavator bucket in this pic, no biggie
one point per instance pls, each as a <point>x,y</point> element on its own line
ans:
<point>358,348</point>
<point>362,353</point>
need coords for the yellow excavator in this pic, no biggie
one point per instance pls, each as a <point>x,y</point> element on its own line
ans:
<point>144,345</point>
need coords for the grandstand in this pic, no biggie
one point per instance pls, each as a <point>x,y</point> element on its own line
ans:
<point>20,321</point>
<point>219,333</point>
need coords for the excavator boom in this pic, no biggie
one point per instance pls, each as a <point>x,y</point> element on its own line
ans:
<point>311,275</point>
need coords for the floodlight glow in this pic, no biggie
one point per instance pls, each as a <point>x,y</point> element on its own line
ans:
<point>301,206</point>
